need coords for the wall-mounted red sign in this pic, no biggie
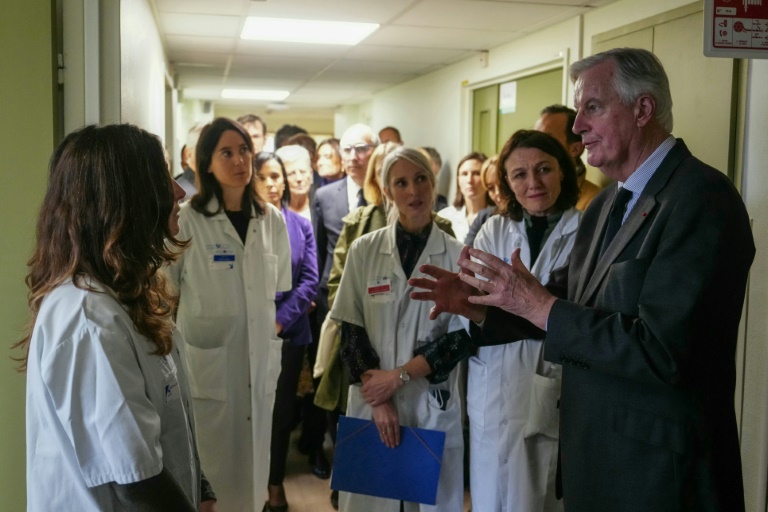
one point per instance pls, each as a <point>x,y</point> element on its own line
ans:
<point>736,28</point>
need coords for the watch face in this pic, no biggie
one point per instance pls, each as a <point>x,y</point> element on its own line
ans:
<point>404,375</point>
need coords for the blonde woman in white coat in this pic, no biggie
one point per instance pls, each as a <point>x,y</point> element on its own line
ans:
<point>238,257</point>
<point>512,392</point>
<point>389,345</point>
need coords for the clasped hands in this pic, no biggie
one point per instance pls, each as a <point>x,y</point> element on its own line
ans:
<point>487,282</point>
<point>378,388</point>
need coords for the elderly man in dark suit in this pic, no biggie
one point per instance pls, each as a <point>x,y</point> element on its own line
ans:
<point>654,287</point>
<point>337,199</point>
<point>331,203</point>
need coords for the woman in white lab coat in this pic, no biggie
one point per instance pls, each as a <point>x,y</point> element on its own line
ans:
<point>388,340</point>
<point>471,195</point>
<point>512,392</point>
<point>239,257</point>
<point>108,424</point>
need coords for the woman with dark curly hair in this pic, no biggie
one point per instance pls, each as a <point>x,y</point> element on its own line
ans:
<point>108,415</point>
<point>238,260</point>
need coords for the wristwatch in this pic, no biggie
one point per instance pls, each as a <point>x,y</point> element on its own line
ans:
<point>404,375</point>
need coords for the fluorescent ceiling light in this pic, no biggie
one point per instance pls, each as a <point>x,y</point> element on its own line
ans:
<point>254,94</point>
<point>306,31</point>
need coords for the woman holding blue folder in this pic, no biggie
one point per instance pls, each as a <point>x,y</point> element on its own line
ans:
<point>400,362</point>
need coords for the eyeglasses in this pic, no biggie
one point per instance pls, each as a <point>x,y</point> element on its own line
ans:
<point>359,149</point>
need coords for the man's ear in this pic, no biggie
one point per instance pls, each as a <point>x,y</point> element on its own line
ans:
<point>645,109</point>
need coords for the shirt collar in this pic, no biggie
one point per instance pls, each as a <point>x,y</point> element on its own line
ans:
<point>639,179</point>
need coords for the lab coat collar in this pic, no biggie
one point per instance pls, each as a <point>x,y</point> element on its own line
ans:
<point>228,228</point>
<point>435,245</point>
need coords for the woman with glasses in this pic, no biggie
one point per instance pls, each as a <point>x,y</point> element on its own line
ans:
<point>238,260</point>
<point>292,323</point>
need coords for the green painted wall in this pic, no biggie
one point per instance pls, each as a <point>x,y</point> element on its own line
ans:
<point>533,93</point>
<point>26,142</point>
<point>485,115</point>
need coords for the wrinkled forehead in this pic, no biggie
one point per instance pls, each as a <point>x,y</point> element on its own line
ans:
<point>359,135</point>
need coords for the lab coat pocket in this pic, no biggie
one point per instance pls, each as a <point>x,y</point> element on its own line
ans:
<point>477,391</point>
<point>270,276</point>
<point>207,372</point>
<point>543,414</point>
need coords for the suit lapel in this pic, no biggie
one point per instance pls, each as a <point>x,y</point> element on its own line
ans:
<point>637,217</point>
<point>594,248</point>
<point>342,204</point>
<point>590,280</point>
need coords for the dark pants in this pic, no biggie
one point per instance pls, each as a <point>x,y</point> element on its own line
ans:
<point>313,417</point>
<point>283,410</point>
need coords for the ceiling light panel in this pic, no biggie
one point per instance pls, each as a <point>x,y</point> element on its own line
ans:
<point>306,31</point>
<point>199,24</point>
<point>254,94</point>
<point>489,16</point>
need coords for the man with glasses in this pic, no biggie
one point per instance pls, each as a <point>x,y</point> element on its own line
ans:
<point>334,201</point>
<point>337,199</point>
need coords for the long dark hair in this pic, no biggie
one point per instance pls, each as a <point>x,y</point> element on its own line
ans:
<point>105,217</point>
<point>569,189</point>
<point>264,157</point>
<point>209,186</point>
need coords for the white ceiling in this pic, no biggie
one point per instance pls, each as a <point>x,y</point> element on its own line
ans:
<point>203,45</point>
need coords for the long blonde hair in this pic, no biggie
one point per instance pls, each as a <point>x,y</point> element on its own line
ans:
<point>372,185</point>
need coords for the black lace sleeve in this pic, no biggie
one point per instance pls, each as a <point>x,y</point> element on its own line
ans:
<point>356,351</point>
<point>444,353</point>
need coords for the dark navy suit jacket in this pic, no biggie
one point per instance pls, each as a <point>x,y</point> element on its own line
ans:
<point>647,340</point>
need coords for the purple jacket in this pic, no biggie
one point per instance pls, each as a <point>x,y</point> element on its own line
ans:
<point>292,306</point>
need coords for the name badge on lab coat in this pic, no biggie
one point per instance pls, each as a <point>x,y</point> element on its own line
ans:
<point>222,257</point>
<point>380,289</point>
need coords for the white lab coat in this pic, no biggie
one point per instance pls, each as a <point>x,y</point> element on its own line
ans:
<point>101,406</point>
<point>396,326</point>
<point>459,221</point>
<point>512,392</point>
<point>227,318</point>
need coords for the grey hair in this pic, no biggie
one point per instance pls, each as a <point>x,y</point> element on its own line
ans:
<point>363,129</point>
<point>294,154</point>
<point>637,72</point>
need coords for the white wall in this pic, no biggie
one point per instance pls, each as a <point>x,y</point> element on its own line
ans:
<point>433,110</point>
<point>754,420</point>
<point>143,68</point>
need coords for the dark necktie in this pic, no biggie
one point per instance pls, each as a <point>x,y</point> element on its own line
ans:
<point>361,199</point>
<point>615,217</point>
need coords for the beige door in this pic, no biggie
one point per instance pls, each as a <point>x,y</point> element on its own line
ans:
<point>703,88</point>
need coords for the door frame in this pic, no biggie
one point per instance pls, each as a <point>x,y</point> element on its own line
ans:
<point>468,89</point>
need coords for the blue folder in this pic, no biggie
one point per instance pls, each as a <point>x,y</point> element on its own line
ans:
<point>363,464</point>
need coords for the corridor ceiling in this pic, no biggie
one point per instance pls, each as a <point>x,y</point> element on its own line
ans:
<point>203,45</point>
